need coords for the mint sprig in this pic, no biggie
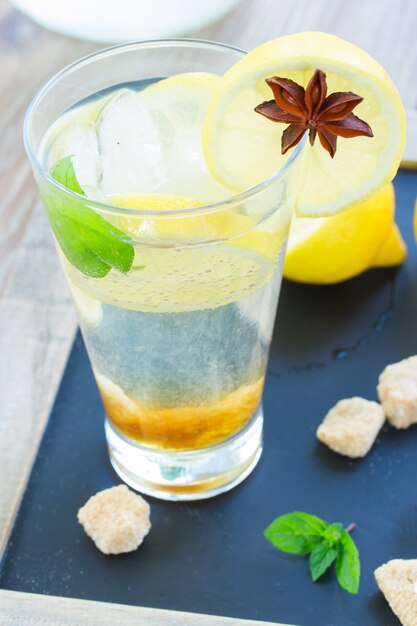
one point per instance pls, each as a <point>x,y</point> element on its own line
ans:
<point>63,172</point>
<point>90,243</point>
<point>302,533</point>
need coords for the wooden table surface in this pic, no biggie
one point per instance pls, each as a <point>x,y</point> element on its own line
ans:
<point>37,322</point>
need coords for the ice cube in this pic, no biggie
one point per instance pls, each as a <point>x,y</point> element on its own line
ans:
<point>187,172</point>
<point>178,106</point>
<point>129,146</point>
<point>79,140</point>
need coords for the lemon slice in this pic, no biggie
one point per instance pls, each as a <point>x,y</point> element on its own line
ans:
<point>188,228</point>
<point>175,91</point>
<point>152,202</point>
<point>243,148</point>
<point>333,249</point>
<point>178,106</point>
<point>234,228</point>
<point>89,309</point>
<point>138,226</point>
<point>174,273</point>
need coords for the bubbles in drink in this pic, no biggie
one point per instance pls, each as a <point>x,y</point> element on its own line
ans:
<point>179,343</point>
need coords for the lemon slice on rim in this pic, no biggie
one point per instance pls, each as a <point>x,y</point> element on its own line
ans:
<point>243,148</point>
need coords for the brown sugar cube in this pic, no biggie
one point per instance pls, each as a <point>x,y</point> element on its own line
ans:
<point>397,392</point>
<point>351,426</point>
<point>116,519</point>
<point>397,580</point>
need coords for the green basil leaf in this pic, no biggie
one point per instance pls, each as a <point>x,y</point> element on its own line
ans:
<point>296,533</point>
<point>90,243</point>
<point>348,567</point>
<point>333,532</point>
<point>322,556</point>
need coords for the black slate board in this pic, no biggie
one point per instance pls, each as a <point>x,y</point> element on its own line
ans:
<point>211,557</point>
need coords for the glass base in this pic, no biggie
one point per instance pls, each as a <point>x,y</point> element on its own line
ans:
<point>187,475</point>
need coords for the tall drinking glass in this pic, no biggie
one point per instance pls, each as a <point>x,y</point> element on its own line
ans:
<point>178,328</point>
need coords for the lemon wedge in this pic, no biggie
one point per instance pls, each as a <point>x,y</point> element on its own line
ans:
<point>242,148</point>
<point>333,249</point>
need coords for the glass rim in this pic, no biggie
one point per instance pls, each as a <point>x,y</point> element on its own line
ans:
<point>104,207</point>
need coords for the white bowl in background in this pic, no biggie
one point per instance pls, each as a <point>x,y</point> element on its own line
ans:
<point>124,20</point>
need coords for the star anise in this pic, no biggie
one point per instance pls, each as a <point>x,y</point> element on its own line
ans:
<point>312,110</point>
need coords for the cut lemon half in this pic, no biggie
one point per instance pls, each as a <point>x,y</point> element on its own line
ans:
<point>332,249</point>
<point>242,148</point>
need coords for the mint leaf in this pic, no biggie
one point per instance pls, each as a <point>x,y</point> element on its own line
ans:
<point>333,532</point>
<point>348,567</point>
<point>63,171</point>
<point>321,557</point>
<point>67,233</point>
<point>296,533</point>
<point>90,243</point>
<point>302,533</point>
